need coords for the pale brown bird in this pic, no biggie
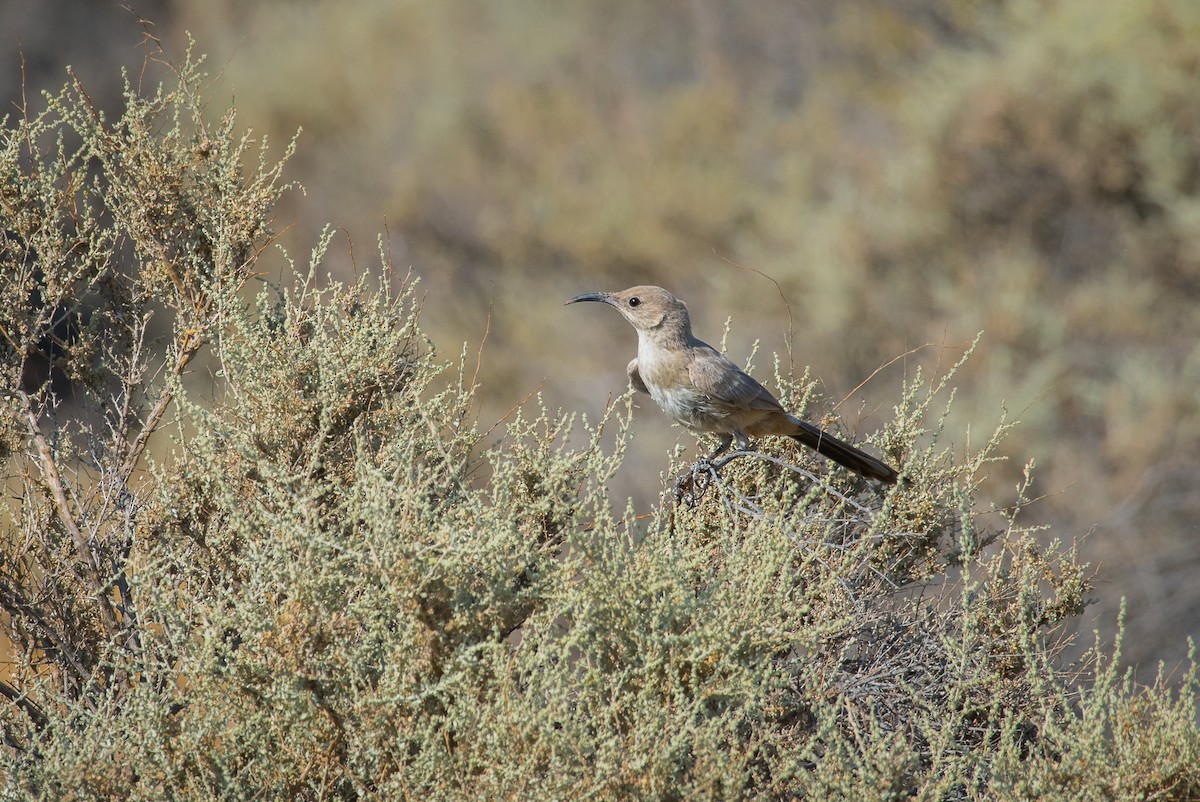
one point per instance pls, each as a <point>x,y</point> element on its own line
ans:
<point>702,390</point>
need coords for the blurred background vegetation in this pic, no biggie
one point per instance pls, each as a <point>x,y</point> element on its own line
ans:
<point>909,172</point>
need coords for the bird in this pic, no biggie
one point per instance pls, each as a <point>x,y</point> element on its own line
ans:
<point>699,388</point>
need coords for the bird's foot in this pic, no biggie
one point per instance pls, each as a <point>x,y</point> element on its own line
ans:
<point>693,483</point>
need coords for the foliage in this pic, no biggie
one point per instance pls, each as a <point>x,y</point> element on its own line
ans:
<point>334,584</point>
<point>909,172</point>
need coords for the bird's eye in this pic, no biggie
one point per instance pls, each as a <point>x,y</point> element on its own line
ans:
<point>635,301</point>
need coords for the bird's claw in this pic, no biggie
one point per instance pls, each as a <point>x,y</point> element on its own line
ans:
<point>692,484</point>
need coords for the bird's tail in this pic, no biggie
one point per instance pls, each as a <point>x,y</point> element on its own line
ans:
<point>844,454</point>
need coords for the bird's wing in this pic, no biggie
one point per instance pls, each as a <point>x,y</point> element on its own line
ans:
<point>724,382</point>
<point>635,377</point>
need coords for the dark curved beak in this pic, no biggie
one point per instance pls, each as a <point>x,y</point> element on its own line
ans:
<point>602,297</point>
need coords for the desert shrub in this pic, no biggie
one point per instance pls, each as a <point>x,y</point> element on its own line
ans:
<point>310,572</point>
<point>908,172</point>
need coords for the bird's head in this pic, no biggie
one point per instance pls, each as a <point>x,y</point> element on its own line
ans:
<point>646,308</point>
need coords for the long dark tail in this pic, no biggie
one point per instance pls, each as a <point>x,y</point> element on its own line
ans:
<point>845,454</point>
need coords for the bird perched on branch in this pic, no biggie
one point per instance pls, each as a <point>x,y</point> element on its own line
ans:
<point>703,391</point>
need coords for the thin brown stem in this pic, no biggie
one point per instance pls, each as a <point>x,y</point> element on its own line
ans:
<point>191,344</point>
<point>17,606</point>
<point>19,699</point>
<point>58,493</point>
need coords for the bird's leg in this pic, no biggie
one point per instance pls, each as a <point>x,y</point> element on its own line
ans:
<point>722,446</point>
<point>707,464</point>
<point>743,444</point>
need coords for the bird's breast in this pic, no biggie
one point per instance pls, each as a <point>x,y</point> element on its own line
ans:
<point>665,373</point>
<point>683,405</point>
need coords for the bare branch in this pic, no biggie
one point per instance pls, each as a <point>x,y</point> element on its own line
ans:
<point>192,343</point>
<point>54,483</point>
